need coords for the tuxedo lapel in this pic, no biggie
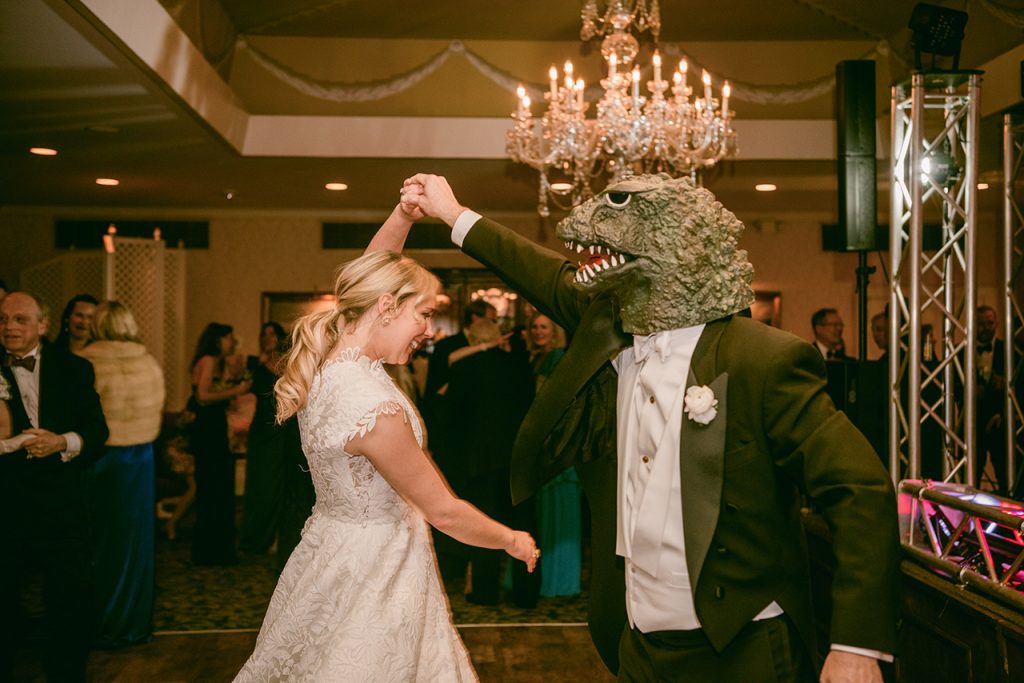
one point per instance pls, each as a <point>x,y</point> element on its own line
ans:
<point>597,340</point>
<point>702,454</point>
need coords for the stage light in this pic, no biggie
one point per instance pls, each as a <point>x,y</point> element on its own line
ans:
<point>937,31</point>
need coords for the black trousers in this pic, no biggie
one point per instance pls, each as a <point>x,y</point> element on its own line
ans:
<point>490,493</point>
<point>766,651</point>
<point>61,552</point>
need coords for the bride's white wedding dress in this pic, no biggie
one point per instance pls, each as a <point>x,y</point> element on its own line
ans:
<point>360,598</point>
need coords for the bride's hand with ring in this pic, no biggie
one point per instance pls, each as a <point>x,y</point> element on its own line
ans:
<point>524,548</point>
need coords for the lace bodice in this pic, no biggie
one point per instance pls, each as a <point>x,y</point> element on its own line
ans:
<point>345,399</point>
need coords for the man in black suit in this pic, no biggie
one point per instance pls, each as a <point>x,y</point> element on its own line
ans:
<point>990,388</point>
<point>452,556</point>
<point>43,505</point>
<point>488,395</point>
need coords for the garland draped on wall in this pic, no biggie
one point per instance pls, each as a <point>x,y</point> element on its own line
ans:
<point>369,91</point>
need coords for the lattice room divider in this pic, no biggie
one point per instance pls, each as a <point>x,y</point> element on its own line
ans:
<point>143,275</point>
<point>150,280</point>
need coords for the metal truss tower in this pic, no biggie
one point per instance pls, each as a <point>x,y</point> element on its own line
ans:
<point>935,119</point>
<point>1013,277</point>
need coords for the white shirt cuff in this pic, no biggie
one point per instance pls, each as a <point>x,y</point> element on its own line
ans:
<point>466,220</point>
<point>74,446</point>
<point>875,654</point>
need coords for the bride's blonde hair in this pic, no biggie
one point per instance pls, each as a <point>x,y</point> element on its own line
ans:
<point>358,286</point>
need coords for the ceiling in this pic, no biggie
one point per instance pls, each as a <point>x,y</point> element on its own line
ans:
<point>116,86</point>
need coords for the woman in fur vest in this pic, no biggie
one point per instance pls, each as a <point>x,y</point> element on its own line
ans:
<point>131,388</point>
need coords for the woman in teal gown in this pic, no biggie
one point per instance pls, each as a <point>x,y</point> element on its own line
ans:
<point>558,501</point>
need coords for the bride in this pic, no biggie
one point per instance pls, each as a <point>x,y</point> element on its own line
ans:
<point>360,598</point>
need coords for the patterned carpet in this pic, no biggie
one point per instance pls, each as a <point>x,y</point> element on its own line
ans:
<point>222,598</point>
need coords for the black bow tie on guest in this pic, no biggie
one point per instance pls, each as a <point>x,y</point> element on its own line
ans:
<point>28,362</point>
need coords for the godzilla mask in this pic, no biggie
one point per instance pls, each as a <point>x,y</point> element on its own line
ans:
<point>666,248</point>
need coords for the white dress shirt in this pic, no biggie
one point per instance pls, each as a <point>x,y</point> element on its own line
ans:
<point>28,388</point>
<point>651,388</point>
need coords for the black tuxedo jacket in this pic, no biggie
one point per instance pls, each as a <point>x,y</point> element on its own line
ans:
<point>488,396</point>
<point>776,437</point>
<point>38,493</point>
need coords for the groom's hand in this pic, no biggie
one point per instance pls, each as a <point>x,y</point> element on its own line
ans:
<point>848,667</point>
<point>433,196</point>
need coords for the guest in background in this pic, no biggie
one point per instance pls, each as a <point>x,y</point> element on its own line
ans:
<point>214,540</point>
<point>880,332</point>
<point>131,388</point>
<point>43,488</point>
<point>828,334</point>
<point>451,555</point>
<point>76,323</point>
<point>265,458</point>
<point>488,394</point>
<point>297,492</point>
<point>558,501</point>
<point>990,395</point>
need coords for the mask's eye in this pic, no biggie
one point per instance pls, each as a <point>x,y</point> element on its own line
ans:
<point>617,200</point>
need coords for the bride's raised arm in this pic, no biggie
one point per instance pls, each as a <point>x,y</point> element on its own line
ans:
<point>391,235</point>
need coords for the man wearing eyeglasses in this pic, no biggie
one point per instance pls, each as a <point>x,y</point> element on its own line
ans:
<point>828,333</point>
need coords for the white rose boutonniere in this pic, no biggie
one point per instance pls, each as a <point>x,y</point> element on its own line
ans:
<point>700,404</point>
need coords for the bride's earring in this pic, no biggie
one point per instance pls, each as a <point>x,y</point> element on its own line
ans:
<point>386,320</point>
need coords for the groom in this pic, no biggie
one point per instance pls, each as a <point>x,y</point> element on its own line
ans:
<point>695,431</point>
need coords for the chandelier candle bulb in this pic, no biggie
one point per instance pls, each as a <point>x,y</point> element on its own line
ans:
<point>631,132</point>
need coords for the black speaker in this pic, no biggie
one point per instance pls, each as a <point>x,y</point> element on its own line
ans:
<point>855,160</point>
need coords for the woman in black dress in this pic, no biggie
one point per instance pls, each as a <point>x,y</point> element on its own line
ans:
<point>266,465</point>
<point>214,541</point>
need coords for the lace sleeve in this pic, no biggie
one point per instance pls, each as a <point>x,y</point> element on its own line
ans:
<point>345,402</point>
<point>368,421</point>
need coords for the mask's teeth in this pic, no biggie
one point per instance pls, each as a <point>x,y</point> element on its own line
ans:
<point>579,248</point>
<point>588,270</point>
<point>568,244</point>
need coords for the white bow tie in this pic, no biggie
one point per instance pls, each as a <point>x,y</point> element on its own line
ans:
<point>644,345</point>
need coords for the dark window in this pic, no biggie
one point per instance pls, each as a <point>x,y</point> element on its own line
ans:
<point>76,234</point>
<point>358,235</point>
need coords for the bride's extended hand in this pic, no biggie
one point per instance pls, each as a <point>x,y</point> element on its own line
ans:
<point>524,548</point>
<point>407,202</point>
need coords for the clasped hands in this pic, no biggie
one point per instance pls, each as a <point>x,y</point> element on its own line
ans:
<point>38,443</point>
<point>425,194</point>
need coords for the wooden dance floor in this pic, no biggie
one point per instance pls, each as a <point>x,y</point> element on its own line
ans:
<point>500,653</point>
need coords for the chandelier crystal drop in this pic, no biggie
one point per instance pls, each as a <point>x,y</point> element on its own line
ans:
<point>670,128</point>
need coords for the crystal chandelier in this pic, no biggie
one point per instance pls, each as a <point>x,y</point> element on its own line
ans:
<point>671,129</point>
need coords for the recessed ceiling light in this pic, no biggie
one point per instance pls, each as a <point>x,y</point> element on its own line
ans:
<point>561,187</point>
<point>108,182</point>
<point>43,151</point>
<point>765,187</point>
<point>982,186</point>
<point>336,187</point>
